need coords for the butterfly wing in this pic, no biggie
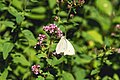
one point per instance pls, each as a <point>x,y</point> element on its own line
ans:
<point>62,45</point>
<point>70,49</point>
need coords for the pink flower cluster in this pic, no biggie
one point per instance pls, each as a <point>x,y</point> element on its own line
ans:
<point>41,37</point>
<point>35,69</point>
<point>53,29</point>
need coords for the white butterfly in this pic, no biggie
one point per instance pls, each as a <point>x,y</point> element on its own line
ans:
<point>64,46</point>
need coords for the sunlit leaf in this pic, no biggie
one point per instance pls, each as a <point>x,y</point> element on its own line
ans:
<point>116,77</point>
<point>105,6</point>
<point>95,36</point>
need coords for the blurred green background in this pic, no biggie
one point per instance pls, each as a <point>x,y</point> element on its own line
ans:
<point>93,28</point>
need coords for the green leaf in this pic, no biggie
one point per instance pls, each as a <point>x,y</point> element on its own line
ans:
<point>19,18</point>
<point>107,78</point>
<point>105,6</point>
<point>103,20</point>
<point>55,61</point>
<point>63,13</point>
<point>96,63</point>
<point>35,16</point>
<point>19,58</point>
<point>67,76</point>
<point>1,49</point>
<point>76,19</point>
<point>116,77</point>
<point>17,4</point>
<point>4,75</point>
<point>116,19</point>
<point>108,62</point>
<point>7,47</point>
<point>95,71</point>
<point>83,59</point>
<point>40,78</point>
<point>30,37</point>
<point>13,11</point>
<point>95,36</point>
<point>79,73</point>
<point>39,10</point>
<point>1,6</point>
<point>26,75</point>
<point>49,77</point>
<point>7,23</point>
<point>52,3</point>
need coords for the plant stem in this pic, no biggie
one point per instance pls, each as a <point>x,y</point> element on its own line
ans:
<point>49,47</point>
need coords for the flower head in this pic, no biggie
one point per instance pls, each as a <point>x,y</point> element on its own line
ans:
<point>41,38</point>
<point>53,29</point>
<point>35,69</point>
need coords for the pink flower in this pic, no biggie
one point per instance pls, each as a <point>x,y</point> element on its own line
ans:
<point>51,29</point>
<point>41,38</point>
<point>45,28</point>
<point>35,69</point>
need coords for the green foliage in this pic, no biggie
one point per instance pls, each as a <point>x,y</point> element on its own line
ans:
<point>93,28</point>
<point>7,47</point>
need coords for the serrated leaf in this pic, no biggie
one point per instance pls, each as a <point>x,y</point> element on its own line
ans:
<point>7,47</point>
<point>19,58</point>
<point>67,76</point>
<point>105,6</point>
<point>30,37</point>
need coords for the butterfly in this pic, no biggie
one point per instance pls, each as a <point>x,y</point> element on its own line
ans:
<point>64,46</point>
